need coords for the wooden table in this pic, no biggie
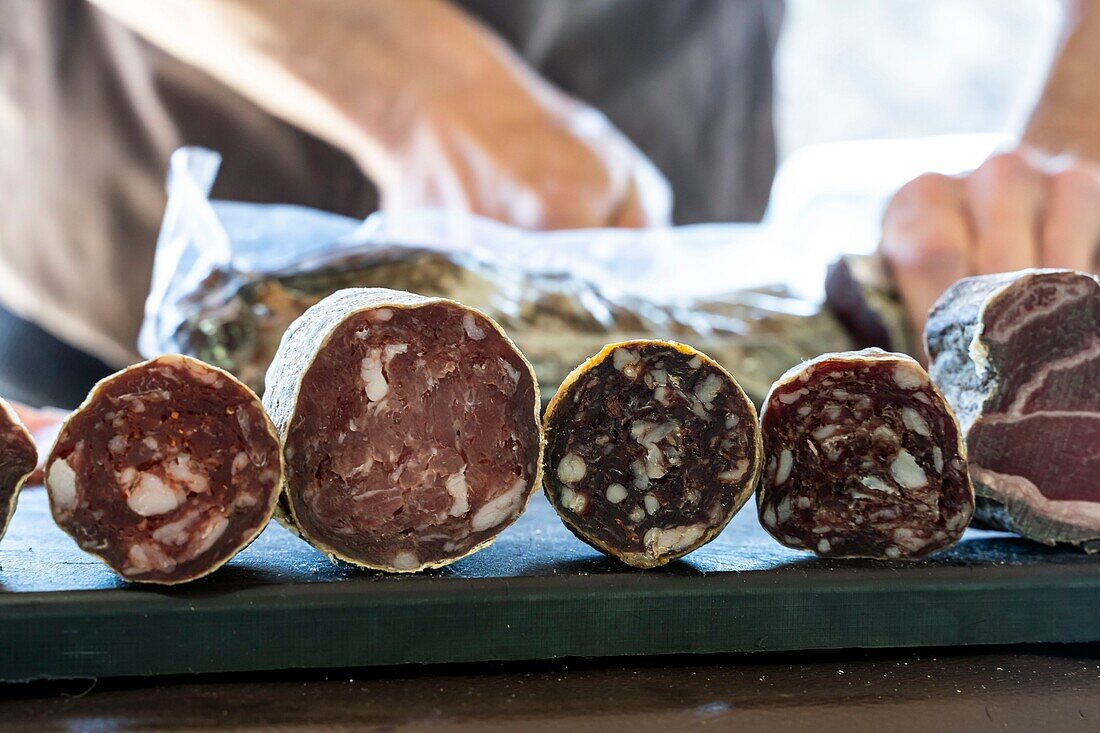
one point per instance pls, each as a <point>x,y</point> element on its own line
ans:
<point>1026,689</point>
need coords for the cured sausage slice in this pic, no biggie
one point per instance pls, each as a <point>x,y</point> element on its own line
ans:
<point>1018,357</point>
<point>168,469</point>
<point>18,457</point>
<point>651,448</point>
<point>864,459</point>
<point>410,428</point>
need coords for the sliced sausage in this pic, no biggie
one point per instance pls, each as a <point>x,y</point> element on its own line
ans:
<point>410,428</point>
<point>864,459</point>
<point>651,448</point>
<point>167,470</point>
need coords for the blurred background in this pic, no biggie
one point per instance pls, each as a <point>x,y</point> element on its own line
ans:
<point>872,94</point>
<point>861,69</point>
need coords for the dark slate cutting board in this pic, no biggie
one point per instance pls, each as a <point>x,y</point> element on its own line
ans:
<point>537,593</point>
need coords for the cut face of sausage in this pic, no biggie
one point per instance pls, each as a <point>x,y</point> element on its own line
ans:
<point>1018,357</point>
<point>18,457</point>
<point>167,470</point>
<point>651,449</point>
<point>411,438</point>
<point>864,460</point>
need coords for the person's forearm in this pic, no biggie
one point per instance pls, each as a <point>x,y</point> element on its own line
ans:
<point>434,107</point>
<point>349,71</point>
<point>1067,116</point>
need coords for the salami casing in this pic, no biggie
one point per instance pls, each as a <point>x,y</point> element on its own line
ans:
<point>865,459</point>
<point>18,457</point>
<point>1018,357</point>
<point>167,470</point>
<point>651,448</point>
<point>409,425</point>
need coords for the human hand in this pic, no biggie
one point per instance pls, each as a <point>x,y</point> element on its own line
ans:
<point>1016,210</point>
<point>436,109</point>
<point>530,157</point>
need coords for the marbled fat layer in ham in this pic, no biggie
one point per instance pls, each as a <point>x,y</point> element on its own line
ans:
<point>414,439</point>
<point>864,460</point>
<point>1019,356</point>
<point>166,471</point>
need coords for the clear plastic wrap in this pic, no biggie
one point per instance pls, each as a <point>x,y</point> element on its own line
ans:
<point>229,278</point>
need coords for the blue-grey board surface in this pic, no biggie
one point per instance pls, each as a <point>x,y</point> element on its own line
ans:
<point>537,593</point>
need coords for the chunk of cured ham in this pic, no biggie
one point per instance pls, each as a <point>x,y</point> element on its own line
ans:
<point>1018,357</point>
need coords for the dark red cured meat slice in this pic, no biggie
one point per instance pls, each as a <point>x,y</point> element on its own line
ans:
<point>167,470</point>
<point>652,448</point>
<point>865,459</point>
<point>410,428</point>
<point>18,457</point>
<point>1018,357</point>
